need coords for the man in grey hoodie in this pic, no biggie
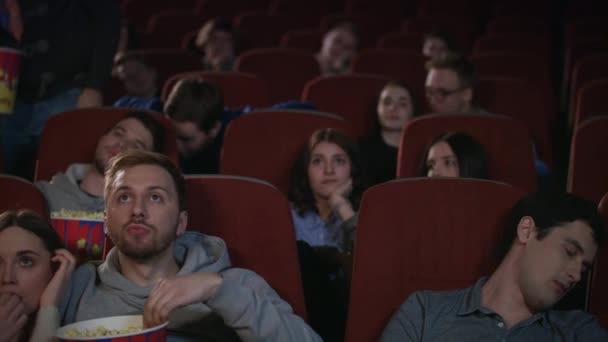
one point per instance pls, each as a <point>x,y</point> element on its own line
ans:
<point>159,270</point>
<point>80,188</point>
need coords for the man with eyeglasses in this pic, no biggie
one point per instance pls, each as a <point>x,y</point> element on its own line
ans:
<point>449,86</point>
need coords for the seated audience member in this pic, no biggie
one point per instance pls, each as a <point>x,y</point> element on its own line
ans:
<point>455,155</point>
<point>438,44</point>
<point>449,86</point>
<point>196,108</point>
<point>325,191</point>
<point>158,269</point>
<point>217,41</point>
<point>80,188</point>
<point>550,242</point>
<point>379,150</point>
<point>140,81</point>
<point>338,49</point>
<point>35,270</point>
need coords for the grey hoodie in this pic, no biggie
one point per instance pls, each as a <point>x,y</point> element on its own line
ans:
<point>245,302</point>
<point>63,191</point>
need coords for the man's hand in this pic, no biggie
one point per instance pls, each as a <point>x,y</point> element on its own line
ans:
<point>54,290</point>
<point>89,97</point>
<point>12,317</point>
<point>172,293</point>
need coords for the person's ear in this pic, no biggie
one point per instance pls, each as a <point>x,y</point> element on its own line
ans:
<point>526,230</point>
<point>182,223</point>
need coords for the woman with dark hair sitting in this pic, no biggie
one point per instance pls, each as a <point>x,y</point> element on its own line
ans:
<point>379,150</point>
<point>34,268</point>
<point>455,155</point>
<point>325,192</point>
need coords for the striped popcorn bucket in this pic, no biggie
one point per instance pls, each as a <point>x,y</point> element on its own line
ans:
<point>10,59</point>
<point>112,329</point>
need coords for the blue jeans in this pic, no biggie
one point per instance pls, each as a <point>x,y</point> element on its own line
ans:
<point>22,128</point>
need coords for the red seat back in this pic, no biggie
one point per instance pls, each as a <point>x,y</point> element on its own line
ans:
<point>71,137</point>
<point>262,29</point>
<point>353,97</point>
<point>588,163</point>
<point>587,69</point>
<point>524,66</point>
<point>505,97</point>
<point>265,144</point>
<point>416,249</point>
<point>240,89</point>
<point>21,194</point>
<point>407,67</point>
<point>590,100</point>
<point>254,219</point>
<point>506,141</point>
<point>284,70</point>
<point>408,41</point>
<point>307,40</point>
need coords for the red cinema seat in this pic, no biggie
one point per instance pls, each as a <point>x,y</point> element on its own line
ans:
<point>72,136</point>
<point>588,163</point>
<point>240,89</point>
<point>284,70</point>
<point>506,141</point>
<point>353,97</point>
<point>254,220</point>
<point>21,194</point>
<point>407,67</point>
<point>416,249</point>
<point>266,144</point>
<point>590,101</point>
<point>505,97</point>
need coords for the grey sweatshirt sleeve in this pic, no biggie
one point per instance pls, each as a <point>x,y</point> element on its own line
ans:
<point>406,323</point>
<point>256,312</point>
<point>47,322</point>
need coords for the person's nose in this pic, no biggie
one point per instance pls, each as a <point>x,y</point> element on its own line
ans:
<point>139,208</point>
<point>8,274</point>
<point>328,168</point>
<point>435,171</point>
<point>575,271</point>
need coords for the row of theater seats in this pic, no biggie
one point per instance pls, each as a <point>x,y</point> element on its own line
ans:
<point>286,74</point>
<point>248,139</point>
<point>398,238</point>
<point>167,20</point>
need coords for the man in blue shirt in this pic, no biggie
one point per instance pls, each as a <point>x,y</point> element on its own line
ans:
<point>551,242</point>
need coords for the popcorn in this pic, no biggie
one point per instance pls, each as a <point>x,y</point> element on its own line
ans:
<point>100,331</point>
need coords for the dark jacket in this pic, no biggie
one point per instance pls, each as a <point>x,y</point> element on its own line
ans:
<point>67,44</point>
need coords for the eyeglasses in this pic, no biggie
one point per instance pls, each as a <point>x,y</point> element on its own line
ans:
<point>441,93</point>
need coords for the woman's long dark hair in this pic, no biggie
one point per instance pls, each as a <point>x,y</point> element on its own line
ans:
<point>471,156</point>
<point>32,222</point>
<point>300,192</point>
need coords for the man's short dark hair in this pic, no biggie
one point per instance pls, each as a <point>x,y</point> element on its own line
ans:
<point>133,56</point>
<point>445,36</point>
<point>156,129</point>
<point>458,64</point>
<point>196,100</point>
<point>550,210</point>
